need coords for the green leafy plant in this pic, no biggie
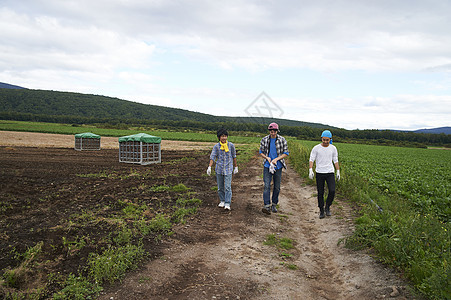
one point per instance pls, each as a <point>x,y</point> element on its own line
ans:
<point>73,246</point>
<point>160,188</point>
<point>123,236</point>
<point>179,188</point>
<point>78,288</point>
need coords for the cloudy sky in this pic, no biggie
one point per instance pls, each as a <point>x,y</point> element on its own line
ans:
<point>371,64</point>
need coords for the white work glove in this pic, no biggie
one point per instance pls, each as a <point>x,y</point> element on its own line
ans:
<point>310,173</point>
<point>338,175</point>
<point>272,168</point>
<point>209,170</point>
<point>235,170</point>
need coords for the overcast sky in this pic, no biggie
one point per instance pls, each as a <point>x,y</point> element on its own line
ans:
<point>373,64</point>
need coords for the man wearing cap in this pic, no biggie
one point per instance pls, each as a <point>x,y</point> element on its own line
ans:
<point>326,157</point>
<point>274,149</point>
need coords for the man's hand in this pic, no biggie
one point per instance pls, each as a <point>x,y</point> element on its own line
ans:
<point>338,175</point>
<point>209,170</point>
<point>235,170</point>
<point>310,173</point>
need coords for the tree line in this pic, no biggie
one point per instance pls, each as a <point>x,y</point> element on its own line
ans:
<point>373,136</point>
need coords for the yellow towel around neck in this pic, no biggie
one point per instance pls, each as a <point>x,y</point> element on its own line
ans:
<point>224,147</point>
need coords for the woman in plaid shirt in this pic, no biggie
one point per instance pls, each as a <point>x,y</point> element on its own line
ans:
<point>274,149</point>
<point>224,154</point>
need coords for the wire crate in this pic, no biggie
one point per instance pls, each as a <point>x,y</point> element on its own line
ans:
<point>140,148</point>
<point>87,141</point>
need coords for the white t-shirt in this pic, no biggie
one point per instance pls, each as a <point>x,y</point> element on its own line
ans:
<point>325,158</point>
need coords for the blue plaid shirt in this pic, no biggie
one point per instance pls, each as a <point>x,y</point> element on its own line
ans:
<point>224,160</point>
<point>281,148</point>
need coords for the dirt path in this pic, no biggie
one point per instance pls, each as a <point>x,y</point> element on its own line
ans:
<point>237,265</point>
<point>222,255</point>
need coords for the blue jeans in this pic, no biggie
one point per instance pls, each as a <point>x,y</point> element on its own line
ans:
<point>224,187</point>
<point>267,177</point>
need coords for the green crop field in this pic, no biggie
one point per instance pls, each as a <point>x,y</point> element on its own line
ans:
<point>412,187</point>
<point>422,176</point>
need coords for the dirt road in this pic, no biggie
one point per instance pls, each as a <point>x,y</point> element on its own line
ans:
<point>222,255</point>
<point>237,265</point>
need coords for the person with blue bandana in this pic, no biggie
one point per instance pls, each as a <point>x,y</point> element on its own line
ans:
<point>273,149</point>
<point>326,157</point>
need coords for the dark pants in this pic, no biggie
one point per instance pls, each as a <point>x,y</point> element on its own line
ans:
<point>321,179</point>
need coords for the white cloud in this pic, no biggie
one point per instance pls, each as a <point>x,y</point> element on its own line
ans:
<point>328,35</point>
<point>112,48</point>
<point>398,112</point>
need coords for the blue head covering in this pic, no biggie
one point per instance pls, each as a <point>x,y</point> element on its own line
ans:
<point>327,133</point>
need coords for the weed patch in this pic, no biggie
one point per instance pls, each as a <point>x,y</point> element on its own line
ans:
<point>113,263</point>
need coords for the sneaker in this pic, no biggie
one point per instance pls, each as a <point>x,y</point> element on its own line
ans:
<point>321,213</point>
<point>273,208</point>
<point>266,210</point>
<point>227,207</point>
<point>221,204</point>
<point>328,211</point>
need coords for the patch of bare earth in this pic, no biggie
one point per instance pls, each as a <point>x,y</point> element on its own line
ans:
<point>222,255</point>
<point>33,139</point>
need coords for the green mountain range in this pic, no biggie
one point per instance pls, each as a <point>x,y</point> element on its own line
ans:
<point>96,107</point>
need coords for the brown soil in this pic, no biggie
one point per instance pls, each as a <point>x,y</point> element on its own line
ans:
<point>214,255</point>
<point>27,139</point>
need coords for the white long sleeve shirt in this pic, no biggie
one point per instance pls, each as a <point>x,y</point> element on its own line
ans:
<point>325,158</point>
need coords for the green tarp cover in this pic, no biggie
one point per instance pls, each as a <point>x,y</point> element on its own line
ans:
<point>141,137</point>
<point>87,135</point>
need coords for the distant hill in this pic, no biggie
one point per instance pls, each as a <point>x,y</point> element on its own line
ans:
<point>54,103</point>
<point>445,130</point>
<point>9,86</point>
<point>75,108</point>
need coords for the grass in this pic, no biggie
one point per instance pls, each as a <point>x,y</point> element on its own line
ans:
<point>79,288</point>
<point>114,262</point>
<point>12,277</point>
<point>282,244</point>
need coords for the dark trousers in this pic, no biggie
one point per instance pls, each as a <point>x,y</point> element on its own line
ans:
<point>321,179</point>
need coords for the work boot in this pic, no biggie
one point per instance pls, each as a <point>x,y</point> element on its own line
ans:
<point>266,210</point>
<point>273,208</point>
<point>321,213</point>
<point>328,211</point>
